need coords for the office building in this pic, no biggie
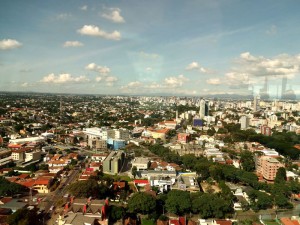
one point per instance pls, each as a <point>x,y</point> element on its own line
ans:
<point>113,162</point>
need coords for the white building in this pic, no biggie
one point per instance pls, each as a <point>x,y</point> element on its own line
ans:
<point>34,155</point>
<point>245,122</point>
<point>141,163</point>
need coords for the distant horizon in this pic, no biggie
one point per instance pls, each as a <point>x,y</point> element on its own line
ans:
<point>220,96</point>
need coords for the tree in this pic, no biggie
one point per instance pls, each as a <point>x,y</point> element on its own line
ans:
<point>280,175</point>
<point>141,202</point>
<point>43,166</point>
<point>211,131</point>
<point>88,188</point>
<point>211,205</point>
<point>178,202</point>
<point>8,188</point>
<point>247,161</point>
<point>23,217</point>
<point>116,212</point>
<point>134,171</point>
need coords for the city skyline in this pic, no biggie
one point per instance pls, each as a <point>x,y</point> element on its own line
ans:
<point>173,47</point>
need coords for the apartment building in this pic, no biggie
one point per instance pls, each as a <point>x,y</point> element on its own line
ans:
<point>267,166</point>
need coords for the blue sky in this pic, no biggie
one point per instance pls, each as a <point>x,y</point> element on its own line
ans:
<point>147,47</point>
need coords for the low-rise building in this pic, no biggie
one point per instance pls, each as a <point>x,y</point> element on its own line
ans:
<point>32,156</point>
<point>5,156</point>
<point>140,163</point>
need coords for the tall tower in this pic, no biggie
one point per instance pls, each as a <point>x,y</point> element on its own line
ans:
<point>202,108</point>
<point>256,103</point>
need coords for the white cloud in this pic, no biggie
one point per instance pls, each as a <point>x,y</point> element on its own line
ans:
<point>110,81</point>
<point>281,65</point>
<point>148,55</point>
<point>6,44</point>
<point>154,85</point>
<point>114,15</point>
<point>63,78</point>
<point>213,81</point>
<point>192,65</point>
<point>103,70</point>
<point>25,84</point>
<point>134,84</point>
<point>271,30</point>
<point>196,66</point>
<point>84,7</point>
<point>63,16</point>
<point>72,44</point>
<point>98,79</point>
<point>175,81</point>
<point>92,30</point>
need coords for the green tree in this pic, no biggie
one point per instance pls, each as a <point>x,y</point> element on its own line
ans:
<point>134,171</point>
<point>116,213</point>
<point>8,188</point>
<point>88,188</point>
<point>43,166</point>
<point>178,202</point>
<point>141,202</point>
<point>247,161</point>
<point>280,175</point>
<point>24,217</point>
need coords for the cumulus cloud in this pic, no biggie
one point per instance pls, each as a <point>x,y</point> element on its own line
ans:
<point>25,84</point>
<point>72,44</point>
<point>213,81</point>
<point>84,7</point>
<point>110,81</point>
<point>63,78</point>
<point>281,65</point>
<point>7,44</point>
<point>134,84</point>
<point>196,66</point>
<point>176,81</point>
<point>92,30</point>
<point>103,70</point>
<point>114,15</point>
<point>237,80</point>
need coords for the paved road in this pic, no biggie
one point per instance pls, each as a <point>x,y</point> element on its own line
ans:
<point>52,199</point>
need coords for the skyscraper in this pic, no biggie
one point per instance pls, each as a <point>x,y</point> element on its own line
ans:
<point>244,120</point>
<point>203,111</point>
<point>256,103</point>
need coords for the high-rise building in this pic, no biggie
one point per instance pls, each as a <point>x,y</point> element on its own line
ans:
<point>245,121</point>
<point>204,108</point>
<point>268,166</point>
<point>256,103</point>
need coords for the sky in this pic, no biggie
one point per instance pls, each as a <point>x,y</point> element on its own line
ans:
<point>193,48</point>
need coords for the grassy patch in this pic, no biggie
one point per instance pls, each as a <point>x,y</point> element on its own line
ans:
<point>270,222</point>
<point>147,222</point>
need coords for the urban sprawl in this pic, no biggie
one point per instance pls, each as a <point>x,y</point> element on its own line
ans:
<point>84,159</point>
